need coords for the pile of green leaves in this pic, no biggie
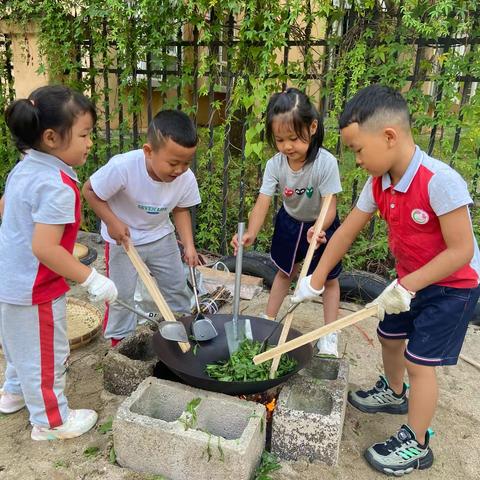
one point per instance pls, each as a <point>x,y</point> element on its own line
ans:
<point>240,367</point>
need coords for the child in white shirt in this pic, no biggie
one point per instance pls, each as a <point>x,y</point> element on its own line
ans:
<point>133,194</point>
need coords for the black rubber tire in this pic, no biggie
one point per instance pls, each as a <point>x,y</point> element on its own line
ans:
<point>354,286</point>
<point>359,286</point>
<point>254,263</point>
<point>90,257</point>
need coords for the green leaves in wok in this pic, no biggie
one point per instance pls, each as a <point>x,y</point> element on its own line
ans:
<point>240,367</point>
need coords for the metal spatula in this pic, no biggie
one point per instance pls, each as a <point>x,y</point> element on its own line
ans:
<point>238,329</point>
<point>163,308</point>
<point>174,331</point>
<point>203,328</point>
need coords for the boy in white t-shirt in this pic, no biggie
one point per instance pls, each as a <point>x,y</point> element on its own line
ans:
<point>133,194</point>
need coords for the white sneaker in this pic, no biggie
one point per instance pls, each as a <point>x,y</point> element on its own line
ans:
<point>327,345</point>
<point>78,423</point>
<point>11,403</point>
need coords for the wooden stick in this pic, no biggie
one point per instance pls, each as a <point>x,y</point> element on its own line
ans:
<point>306,265</point>
<point>153,290</point>
<point>470,361</point>
<point>316,334</point>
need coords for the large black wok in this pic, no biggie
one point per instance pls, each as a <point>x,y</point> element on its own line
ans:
<point>191,368</point>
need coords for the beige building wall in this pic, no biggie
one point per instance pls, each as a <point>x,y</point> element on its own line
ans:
<point>296,54</point>
<point>25,58</point>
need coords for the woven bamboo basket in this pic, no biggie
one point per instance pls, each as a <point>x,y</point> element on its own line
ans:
<point>84,321</point>
<point>80,250</point>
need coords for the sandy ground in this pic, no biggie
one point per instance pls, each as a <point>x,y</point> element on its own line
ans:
<point>457,423</point>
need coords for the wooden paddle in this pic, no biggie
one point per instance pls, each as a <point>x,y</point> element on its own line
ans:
<point>316,334</point>
<point>318,227</point>
<point>470,361</point>
<point>153,290</point>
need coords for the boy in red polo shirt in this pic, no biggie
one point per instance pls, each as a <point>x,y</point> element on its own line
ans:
<point>425,204</point>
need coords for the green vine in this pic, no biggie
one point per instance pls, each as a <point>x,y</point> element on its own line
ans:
<point>239,59</point>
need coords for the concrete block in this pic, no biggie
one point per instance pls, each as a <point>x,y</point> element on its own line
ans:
<point>129,363</point>
<point>308,419</point>
<point>224,441</point>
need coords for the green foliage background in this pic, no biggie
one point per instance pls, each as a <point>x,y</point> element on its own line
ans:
<point>378,46</point>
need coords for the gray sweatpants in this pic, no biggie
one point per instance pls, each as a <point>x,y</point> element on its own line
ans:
<point>162,257</point>
<point>36,349</point>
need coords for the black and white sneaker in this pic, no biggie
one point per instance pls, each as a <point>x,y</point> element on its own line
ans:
<point>400,454</point>
<point>381,398</point>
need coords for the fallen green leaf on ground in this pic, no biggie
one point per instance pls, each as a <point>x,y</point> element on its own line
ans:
<point>268,464</point>
<point>91,452</point>
<point>112,456</point>
<point>106,427</point>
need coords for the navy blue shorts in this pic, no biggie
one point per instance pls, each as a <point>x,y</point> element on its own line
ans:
<point>435,325</point>
<point>290,245</point>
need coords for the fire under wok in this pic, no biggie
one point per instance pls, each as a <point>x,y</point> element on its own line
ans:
<point>190,366</point>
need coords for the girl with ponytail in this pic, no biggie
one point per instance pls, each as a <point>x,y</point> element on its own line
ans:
<point>40,212</point>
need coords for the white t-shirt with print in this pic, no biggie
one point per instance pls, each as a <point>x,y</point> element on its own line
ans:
<point>139,201</point>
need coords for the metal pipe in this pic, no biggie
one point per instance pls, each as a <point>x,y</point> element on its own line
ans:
<point>238,272</point>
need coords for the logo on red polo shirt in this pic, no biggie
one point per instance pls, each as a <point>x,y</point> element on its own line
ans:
<point>420,216</point>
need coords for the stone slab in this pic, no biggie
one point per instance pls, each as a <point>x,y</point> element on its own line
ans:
<point>250,286</point>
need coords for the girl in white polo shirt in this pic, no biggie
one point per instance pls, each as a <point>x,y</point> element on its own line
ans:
<point>40,213</point>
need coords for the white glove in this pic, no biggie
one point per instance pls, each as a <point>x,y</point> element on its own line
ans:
<point>100,288</point>
<point>305,291</point>
<point>394,299</point>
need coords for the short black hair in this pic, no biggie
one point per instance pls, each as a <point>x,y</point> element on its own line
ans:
<point>51,107</point>
<point>300,113</point>
<point>173,124</point>
<point>374,100</point>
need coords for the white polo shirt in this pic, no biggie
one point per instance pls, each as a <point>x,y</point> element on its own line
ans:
<point>40,189</point>
<point>139,201</point>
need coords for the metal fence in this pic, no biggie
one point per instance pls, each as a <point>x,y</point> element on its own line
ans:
<point>146,72</point>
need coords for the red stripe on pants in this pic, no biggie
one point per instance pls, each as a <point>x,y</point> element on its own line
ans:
<point>47,363</point>
<point>107,260</point>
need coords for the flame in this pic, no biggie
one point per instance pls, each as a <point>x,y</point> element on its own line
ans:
<point>270,406</point>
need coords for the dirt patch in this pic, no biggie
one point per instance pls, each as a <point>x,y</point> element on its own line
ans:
<point>457,423</point>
